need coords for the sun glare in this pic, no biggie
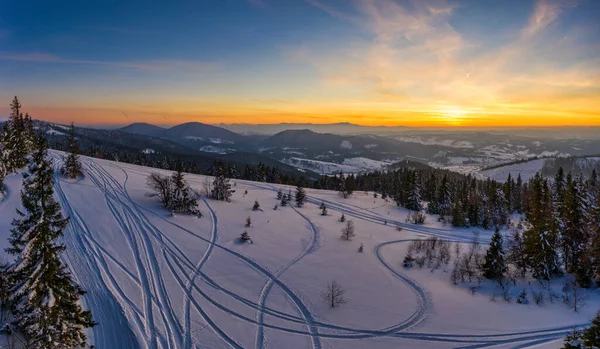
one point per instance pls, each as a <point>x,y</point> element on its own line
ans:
<point>452,116</point>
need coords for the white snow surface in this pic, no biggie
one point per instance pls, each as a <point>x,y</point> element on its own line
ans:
<point>55,132</point>
<point>526,169</point>
<point>161,281</point>
<point>349,165</point>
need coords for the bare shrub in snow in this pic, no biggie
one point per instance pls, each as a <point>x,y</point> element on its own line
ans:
<point>207,187</point>
<point>160,186</point>
<point>334,294</point>
<point>348,231</point>
<point>538,297</point>
<point>573,295</point>
<point>418,217</point>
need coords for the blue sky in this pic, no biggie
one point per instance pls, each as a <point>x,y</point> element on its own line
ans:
<point>365,61</point>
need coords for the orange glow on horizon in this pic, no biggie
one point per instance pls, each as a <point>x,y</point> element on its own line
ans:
<point>452,117</point>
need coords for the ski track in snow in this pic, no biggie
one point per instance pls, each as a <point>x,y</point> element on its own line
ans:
<point>156,325</point>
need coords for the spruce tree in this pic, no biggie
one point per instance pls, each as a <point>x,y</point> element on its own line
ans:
<point>594,245</point>
<point>443,205</point>
<point>221,186</point>
<point>300,196</point>
<point>589,338</point>
<point>494,266</point>
<point>574,233</point>
<point>17,143</point>
<point>515,253</point>
<point>413,199</point>
<point>540,239</point>
<point>458,215</point>
<point>4,168</point>
<point>44,297</point>
<point>72,168</point>
<point>182,201</point>
<point>518,195</point>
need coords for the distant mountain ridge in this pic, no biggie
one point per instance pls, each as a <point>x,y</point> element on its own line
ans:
<point>144,129</point>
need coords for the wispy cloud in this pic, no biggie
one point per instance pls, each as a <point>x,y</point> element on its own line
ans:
<point>416,60</point>
<point>546,12</point>
<point>152,65</point>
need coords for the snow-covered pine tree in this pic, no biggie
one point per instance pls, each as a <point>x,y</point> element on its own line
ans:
<point>458,214</point>
<point>574,236</point>
<point>518,195</point>
<point>494,265</point>
<point>4,290</point>
<point>300,196</point>
<point>413,199</point>
<point>248,221</point>
<point>4,168</point>
<point>72,168</point>
<point>245,237</point>
<point>256,206</point>
<point>589,338</point>
<point>541,239</point>
<point>221,186</point>
<point>29,133</point>
<point>515,252</point>
<point>594,227</point>
<point>279,195</point>
<point>17,142</point>
<point>44,298</point>
<point>444,198</point>
<point>182,200</point>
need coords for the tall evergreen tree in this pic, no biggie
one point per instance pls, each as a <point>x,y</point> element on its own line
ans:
<point>444,198</point>
<point>575,235</point>
<point>494,266</point>
<point>300,196</point>
<point>540,239</point>
<point>182,201</point>
<point>44,297</point>
<point>413,199</point>
<point>221,186</point>
<point>518,195</point>
<point>72,168</point>
<point>515,253</point>
<point>17,142</point>
<point>4,168</point>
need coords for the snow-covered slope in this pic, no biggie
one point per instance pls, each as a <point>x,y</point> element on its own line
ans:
<point>526,169</point>
<point>157,281</point>
<point>349,165</point>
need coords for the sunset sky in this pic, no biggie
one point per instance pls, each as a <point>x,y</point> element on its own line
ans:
<point>370,62</point>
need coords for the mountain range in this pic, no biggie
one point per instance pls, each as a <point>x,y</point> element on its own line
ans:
<point>328,152</point>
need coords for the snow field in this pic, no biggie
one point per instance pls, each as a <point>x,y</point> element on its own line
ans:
<point>158,281</point>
